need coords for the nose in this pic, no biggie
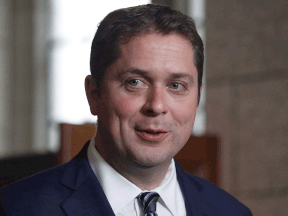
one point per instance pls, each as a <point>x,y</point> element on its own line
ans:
<point>155,102</point>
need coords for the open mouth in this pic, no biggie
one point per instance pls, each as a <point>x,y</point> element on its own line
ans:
<point>151,132</point>
<point>151,135</point>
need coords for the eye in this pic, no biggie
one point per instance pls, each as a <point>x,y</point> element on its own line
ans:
<point>134,82</point>
<point>174,85</point>
<point>177,87</point>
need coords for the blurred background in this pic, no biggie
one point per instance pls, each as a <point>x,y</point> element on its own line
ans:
<point>44,58</point>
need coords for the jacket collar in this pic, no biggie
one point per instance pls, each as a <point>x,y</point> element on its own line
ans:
<point>195,203</point>
<point>87,197</point>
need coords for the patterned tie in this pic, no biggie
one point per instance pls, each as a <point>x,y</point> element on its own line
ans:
<point>148,201</point>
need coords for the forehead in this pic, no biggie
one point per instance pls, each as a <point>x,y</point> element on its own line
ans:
<point>155,51</point>
<point>156,40</point>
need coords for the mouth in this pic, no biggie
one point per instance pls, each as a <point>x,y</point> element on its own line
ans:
<point>151,135</point>
<point>152,132</point>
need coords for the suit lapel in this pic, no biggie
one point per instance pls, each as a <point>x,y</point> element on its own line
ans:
<point>87,197</point>
<point>195,204</point>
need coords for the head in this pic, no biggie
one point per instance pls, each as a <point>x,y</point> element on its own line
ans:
<point>122,25</point>
<point>147,65</point>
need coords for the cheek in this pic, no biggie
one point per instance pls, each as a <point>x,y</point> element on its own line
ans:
<point>127,106</point>
<point>185,111</point>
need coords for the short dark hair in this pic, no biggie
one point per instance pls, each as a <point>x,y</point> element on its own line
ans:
<point>123,24</point>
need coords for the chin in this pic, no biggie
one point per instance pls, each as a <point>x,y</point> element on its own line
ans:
<point>150,161</point>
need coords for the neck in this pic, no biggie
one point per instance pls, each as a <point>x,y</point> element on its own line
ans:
<point>144,177</point>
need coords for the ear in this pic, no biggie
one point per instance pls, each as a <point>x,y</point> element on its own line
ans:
<point>91,94</point>
<point>201,89</point>
<point>200,93</point>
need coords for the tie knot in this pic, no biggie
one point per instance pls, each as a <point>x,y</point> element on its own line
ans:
<point>148,201</point>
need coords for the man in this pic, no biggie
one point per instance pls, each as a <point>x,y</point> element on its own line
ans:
<point>145,87</point>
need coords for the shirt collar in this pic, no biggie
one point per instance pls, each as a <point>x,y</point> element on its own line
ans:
<point>167,189</point>
<point>115,185</point>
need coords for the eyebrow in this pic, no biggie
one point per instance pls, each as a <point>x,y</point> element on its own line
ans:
<point>182,75</point>
<point>136,71</point>
<point>146,74</point>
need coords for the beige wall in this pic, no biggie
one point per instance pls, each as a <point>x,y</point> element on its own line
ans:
<point>23,77</point>
<point>247,99</point>
<point>15,37</point>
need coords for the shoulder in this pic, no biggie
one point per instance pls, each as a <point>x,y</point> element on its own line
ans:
<point>38,180</point>
<point>43,193</point>
<point>36,192</point>
<point>215,197</point>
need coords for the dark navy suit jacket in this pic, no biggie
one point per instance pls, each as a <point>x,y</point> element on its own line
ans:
<point>73,189</point>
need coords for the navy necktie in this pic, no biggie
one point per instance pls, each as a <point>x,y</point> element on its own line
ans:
<point>148,201</point>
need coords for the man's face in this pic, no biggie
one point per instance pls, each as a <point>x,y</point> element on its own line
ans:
<point>148,101</point>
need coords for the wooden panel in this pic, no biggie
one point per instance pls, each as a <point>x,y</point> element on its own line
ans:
<point>73,138</point>
<point>200,156</point>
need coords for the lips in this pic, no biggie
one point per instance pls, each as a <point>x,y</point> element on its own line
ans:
<point>151,135</point>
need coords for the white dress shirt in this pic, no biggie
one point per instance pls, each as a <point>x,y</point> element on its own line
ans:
<point>121,193</point>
